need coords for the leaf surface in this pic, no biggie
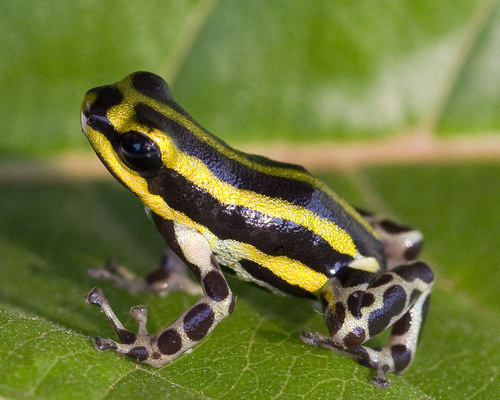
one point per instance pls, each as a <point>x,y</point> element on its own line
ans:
<point>261,71</point>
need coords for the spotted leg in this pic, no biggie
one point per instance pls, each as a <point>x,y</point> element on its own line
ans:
<point>361,304</point>
<point>192,326</point>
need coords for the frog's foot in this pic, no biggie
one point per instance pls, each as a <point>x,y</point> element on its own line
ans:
<point>365,356</point>
<point>402,244</point>
<point>170,276</point>
<point>132,345</point>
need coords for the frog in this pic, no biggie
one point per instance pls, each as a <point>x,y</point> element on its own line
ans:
<point>270,223</point>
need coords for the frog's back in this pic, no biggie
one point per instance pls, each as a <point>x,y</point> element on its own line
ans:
<point>290,184</point>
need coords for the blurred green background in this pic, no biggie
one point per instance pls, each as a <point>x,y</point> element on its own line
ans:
<point>273,70</point>
<point>317,77</point>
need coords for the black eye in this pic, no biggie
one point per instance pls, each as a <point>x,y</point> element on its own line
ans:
<point>139,152</point>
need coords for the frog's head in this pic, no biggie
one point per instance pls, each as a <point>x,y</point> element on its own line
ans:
<point>123,123</point>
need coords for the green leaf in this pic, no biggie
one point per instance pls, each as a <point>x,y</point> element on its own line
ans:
<point>265,70</point>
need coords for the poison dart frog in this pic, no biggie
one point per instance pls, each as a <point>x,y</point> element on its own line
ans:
<point>269,222</point>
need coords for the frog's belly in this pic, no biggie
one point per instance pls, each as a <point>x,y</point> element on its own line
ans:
<point>276,273</point>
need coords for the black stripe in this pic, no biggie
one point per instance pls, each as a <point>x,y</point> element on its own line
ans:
<point>232,172</point>
<point>273,236</point>
<point>265,275</point>
<point>188,143</point>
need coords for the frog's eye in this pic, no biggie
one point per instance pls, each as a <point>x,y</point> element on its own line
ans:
<point>139,152</point>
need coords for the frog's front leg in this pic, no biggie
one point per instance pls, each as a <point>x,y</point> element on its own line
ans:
<point>360,305</point>
<point>192,326</point>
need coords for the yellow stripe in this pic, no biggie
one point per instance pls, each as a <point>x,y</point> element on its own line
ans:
<point>291,271</point>
<point>200,175</point>
<point>133,97</point>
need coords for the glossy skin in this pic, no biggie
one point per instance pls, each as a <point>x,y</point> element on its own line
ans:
<point>272,223</point>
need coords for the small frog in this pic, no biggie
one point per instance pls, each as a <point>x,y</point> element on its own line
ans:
<point>271,223</point>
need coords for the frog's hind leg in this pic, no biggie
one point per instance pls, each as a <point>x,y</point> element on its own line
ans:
<point>402,243</point>
<point>360,305</point>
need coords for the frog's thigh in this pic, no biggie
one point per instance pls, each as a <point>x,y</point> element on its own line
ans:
<point>363,305</point>
<point>192,326</point>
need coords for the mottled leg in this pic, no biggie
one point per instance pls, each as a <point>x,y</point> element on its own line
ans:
<point>192,326</point>
<point>361,305</point>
